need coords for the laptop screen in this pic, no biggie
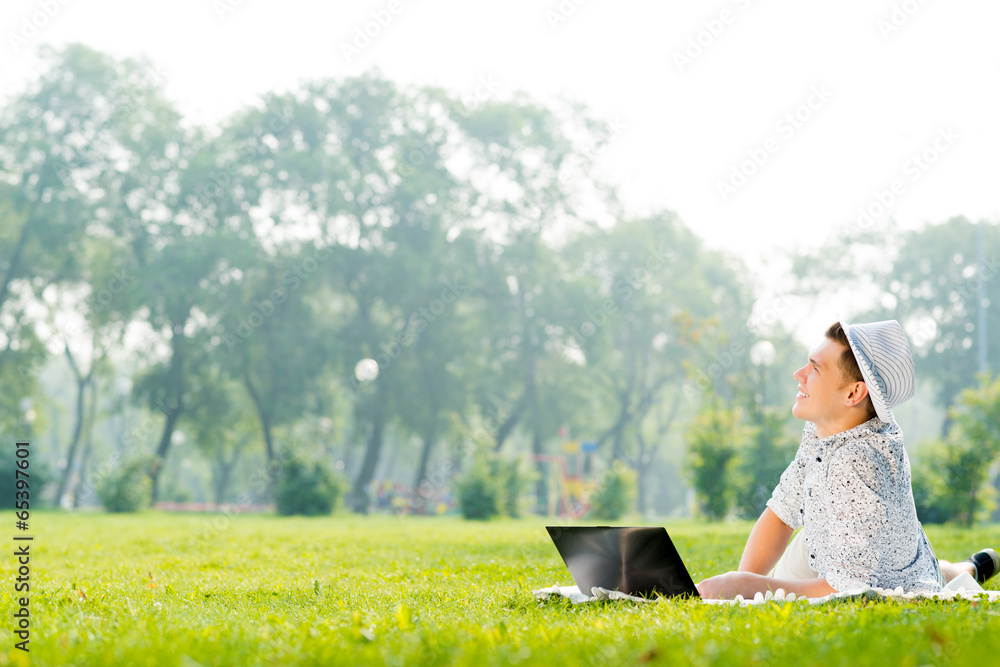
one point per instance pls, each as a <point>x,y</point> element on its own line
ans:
<point>638,561</point>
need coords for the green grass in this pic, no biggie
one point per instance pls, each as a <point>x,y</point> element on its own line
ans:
<point>156,589</point>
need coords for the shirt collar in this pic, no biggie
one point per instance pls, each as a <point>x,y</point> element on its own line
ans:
<point>871,428</point>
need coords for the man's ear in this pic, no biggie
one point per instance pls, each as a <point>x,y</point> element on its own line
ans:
<point>858,394</point>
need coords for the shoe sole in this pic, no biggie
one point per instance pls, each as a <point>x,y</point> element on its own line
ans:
<point>995,561</point>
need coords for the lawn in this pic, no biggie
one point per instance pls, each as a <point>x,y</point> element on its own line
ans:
<point>160,589</point>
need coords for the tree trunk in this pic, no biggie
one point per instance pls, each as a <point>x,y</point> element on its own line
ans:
<point>946,422</point>
<point>542,483</point>
<point>511,421</point>
<point>617,452</point>
<point>531,406</point>
<point>14,262</point>
<point>81,387</point>
<point>172,410</point>
<point>358,498</point>
<point>640,482</point>
<point>88,446</point>
<point>419,491</point>
<point>161,452</point>
<point>616,431</point>
<point>262,414</point>
<point>222,472</point>
<point>643,468</point>
<point>625,416</point>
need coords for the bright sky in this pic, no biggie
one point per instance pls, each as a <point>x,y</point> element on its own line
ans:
<point>701,89</point>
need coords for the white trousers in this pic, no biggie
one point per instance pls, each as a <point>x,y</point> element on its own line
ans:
<point>794,563</point>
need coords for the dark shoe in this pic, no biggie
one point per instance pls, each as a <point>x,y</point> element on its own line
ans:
<point>986,564</point>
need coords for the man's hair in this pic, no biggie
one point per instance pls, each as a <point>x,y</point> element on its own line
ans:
<point>848,364</point>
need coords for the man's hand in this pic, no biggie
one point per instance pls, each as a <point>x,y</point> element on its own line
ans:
<point>723,586</point>
<point>729,585</point>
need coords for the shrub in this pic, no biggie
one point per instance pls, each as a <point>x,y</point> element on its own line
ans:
<point>950,482</point>
<point>714,438</point>
<point>615,493</point>
<point>514,483</point>
<point>766,454</point>
<point>492,486</point>
<point>127,488</point>
<point>973,448</point>
<point>308,487</point>
<point>479,491</point>
<point>930,494</point>
<point>38,477</point>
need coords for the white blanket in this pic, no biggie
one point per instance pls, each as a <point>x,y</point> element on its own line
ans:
<point>963,587</point>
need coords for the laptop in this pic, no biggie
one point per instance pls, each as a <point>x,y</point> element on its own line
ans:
<point>637,561</point>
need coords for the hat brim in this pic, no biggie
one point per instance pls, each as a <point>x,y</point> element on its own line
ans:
<point>874,390</point>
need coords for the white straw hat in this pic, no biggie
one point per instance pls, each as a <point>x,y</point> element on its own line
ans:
<point>883,354</point>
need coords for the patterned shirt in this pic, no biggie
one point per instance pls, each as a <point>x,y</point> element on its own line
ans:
<point>851,493</point>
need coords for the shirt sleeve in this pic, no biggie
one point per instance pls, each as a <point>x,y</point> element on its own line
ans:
<point>857,518</point>
<point>786,500</point>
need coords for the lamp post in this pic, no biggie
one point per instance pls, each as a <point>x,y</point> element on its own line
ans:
<point>123,386</point>
<point>28,413</point>
<point>325,430</point>
<point>761,355</point>
<point>366,372</point>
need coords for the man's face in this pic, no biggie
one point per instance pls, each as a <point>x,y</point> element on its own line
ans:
<point>822,394</point>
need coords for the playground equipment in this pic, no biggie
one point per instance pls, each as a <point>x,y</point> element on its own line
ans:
<point>568,499</point>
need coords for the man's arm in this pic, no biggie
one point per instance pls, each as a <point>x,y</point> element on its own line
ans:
<point>729,585</point>
<point>766,543</point>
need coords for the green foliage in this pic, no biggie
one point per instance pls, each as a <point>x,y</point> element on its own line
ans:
<point>127,487</point>
<point>39,476</point>
<point>615,493</point>
<point>515,480</point>
<point>492,486</point>
<point>262,330</point>
<point>930,492</point>
<point>951,482</point>
<point>760,462</point>
<point>308,487</point>
<point>478,493</point>
<point>713,441</point>
<point>931,287</point>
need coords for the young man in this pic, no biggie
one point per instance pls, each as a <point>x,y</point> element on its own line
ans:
<point>849,485</point>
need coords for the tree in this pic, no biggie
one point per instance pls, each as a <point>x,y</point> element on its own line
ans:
<point>181,253</point>
<point>648,310</point>
<point>935,288</point>
<point>759,464</point>
<point>933,280</point>
<point>82,382</point>
<point>713,441</point>
<point>58,140</point>
<point>221,421</point>
<point>973,446</point>
<point>533,166</point>
<point>950,480</point>
<point>279,348</point>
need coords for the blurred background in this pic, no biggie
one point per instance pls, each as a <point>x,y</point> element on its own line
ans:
<point>429,258</point>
